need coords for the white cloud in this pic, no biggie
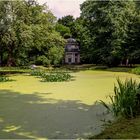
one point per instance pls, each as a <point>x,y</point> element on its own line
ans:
<point>62,8</point>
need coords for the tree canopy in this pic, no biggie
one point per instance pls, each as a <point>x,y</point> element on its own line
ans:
<point>27,32</point>
<point>109,24</point>
<point>108,32</point>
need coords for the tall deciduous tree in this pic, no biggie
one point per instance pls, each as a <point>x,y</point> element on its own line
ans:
<point>63,30</point>
<point>16,33</point>
<point>108,23</point>
<point>27,31</point>
<point>69,22</point>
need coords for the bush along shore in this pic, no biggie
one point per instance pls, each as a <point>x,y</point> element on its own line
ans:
<point>136,70</point>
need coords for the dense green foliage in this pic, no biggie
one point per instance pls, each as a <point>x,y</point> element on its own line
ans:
<point>108,31</point>
<point>126,101</point>
<point>28,35</point>
<point>63,30</point>
<point>68,22</point>
<point>56,77</point>
<point>37,73</point>
<point>52,76</point>
<point>110,24</point>
<point>136,70</point>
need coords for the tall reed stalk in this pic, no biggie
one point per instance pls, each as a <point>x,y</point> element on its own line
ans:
<point>126,99</point>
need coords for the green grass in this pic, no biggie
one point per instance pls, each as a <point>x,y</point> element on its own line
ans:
<point>33,109</point>
<point>13,70</point>
<point>136,70</point>
<point>119,69</point>
<point>121,129</point>
<point>97,67</point>
<point>24,69</point>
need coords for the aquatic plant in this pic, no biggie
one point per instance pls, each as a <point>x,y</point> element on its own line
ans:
<point>52,76</point>
<point>4,78</point>
<point>126,101</point>
<point>56,77</point>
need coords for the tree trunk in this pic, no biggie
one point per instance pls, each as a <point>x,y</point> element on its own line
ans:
<point>11,60</point>
<point>1,57</point>
<point>127,62</point>
<point>121,63</point>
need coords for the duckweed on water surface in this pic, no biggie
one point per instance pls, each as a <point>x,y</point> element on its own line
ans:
<point>34,109</point>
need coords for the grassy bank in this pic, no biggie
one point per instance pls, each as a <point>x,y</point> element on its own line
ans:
<point>74,68</point>
<point>121,129</point>
<point>125,105</point>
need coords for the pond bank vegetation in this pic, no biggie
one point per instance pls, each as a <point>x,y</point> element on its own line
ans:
<point>125,105</point>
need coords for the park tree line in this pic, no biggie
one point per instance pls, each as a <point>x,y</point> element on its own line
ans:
<point>108,32</point>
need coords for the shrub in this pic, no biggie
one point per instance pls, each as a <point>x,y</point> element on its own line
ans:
<point>136,71</point>
<point>126,101</point>
<point>42,60</point>
<point>55,55</point>
<point>4,79</point>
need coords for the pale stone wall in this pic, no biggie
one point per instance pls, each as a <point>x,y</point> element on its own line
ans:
<point>79,58</point>
<point>74,59</point>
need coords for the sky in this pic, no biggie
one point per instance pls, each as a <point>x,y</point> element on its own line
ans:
<point>62,8</point>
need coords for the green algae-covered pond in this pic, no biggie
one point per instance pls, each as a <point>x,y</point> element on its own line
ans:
<point>30,108</point>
